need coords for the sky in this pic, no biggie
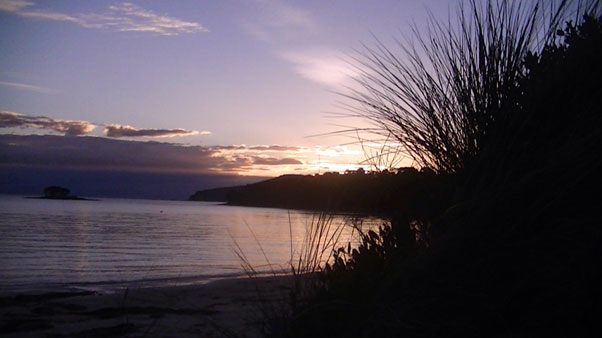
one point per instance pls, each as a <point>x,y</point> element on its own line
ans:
<point>243,87</point>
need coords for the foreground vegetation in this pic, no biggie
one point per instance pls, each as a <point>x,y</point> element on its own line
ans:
<point>504,108</point>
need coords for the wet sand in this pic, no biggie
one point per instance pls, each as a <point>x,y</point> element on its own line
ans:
<point>222,308</point>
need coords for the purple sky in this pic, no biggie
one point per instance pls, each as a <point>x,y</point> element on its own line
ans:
<point>229,74</point>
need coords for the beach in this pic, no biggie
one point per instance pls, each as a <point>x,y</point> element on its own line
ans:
<point>122,267</point>
<point>221,308</point>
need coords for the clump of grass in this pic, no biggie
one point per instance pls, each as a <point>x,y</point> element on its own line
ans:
<point>322,237</point>
<point>503,109</point>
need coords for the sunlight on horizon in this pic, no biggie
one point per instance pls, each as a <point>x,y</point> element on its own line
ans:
<point>188,88</point>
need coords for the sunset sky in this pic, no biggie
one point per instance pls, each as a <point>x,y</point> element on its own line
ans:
<point>233,87</point>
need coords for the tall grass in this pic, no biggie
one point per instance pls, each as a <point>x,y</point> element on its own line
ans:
<point>323,236</point>
<point>446,89</point>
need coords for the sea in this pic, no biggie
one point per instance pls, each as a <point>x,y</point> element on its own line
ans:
<point>109,244</point>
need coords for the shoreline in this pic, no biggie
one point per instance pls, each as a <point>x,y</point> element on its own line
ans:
<point>68,198</point>
<point>230,305</point>
<point>105,287</point>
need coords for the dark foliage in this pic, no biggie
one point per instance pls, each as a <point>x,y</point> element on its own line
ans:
<point>514,248</point>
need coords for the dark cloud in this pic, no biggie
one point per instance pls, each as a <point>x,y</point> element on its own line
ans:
<point>235,164</point>
<point>69,128</point>
<point>275,161</point>
<point>127,131</point>
<point>99,153</point>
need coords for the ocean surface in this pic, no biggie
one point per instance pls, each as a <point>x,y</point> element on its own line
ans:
<point>109,244</point>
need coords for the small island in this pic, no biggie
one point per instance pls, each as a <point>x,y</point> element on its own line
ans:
<point>59,193</point>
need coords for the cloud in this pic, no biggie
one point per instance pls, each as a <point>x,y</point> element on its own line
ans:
<point>123,17</point>
<point>281,159</point>
<point>136,19</point>
<point>284,14</point>
<point>275,161</point>
<point>128,131</point>
<point>105,154</point>
<point>14,5</point>
<point>264,159</point>
<point>260,148</point>
<point>54,16</point>
<point>99,153</point>
<point>322,66</point>
<point>26,87</point>
<point>78,128</point>
<point>69,128</point>
<point>337,151</point>
<point>278,20</point>
<point>275,148</point>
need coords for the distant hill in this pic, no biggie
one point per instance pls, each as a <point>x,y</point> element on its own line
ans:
<point>104,167</point>
<point>100,183</point>
<point>375,193</point>
<point>214,195</point>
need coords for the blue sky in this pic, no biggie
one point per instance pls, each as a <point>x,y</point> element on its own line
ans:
<point>198,73</point>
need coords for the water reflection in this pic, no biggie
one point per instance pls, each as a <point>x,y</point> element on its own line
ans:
<point>44,242</point>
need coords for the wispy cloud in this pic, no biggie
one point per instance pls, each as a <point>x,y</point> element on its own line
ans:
<point>277,148</point>
<point>123,17</point>
<point>79,128</point>
<point>337,151</point>
<point>286,15</point>
<point>27,87</point>
<point>69,128</point>
<point>261,148</point>
<point>278,20</point>
<point>14,5</point>
<point>323,66</point>
<point>128,131</point>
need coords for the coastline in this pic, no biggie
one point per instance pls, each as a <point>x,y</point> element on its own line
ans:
<point>217,308</point>
<point>69,198</point>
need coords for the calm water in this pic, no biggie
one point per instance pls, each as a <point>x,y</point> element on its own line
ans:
<point>114,243</point>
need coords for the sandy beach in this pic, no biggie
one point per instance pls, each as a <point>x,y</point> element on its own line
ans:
<point>222,308</point>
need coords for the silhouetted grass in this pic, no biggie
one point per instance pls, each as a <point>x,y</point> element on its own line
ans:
<point>447,88</point>
<point>321,239</point>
